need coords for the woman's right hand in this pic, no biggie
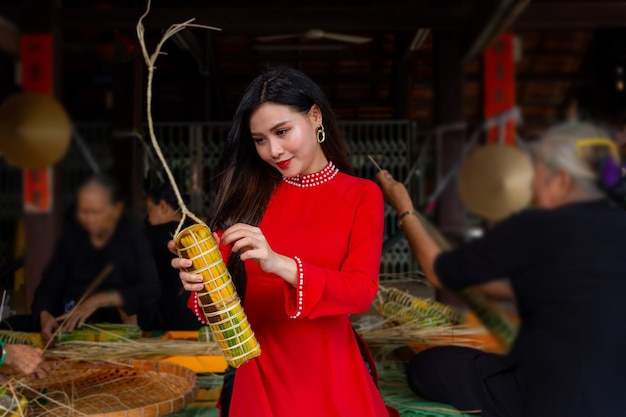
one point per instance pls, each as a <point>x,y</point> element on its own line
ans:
<point>26,360</point>
<point>191,282</point>
<point>49,324</point>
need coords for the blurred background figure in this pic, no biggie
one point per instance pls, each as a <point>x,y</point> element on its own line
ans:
<point>163,216</point>
<point>102,235</point>
<point>565,264</point>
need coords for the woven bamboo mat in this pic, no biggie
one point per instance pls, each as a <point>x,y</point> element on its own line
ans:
<point>124,389</point>
<point>392,385</point>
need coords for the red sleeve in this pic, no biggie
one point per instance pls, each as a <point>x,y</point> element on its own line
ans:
<point>192,302</point>
<point>323,291</point>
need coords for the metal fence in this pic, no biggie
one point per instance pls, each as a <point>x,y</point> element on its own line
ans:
<point>192,150</point>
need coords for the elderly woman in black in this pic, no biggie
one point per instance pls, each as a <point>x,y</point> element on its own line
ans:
<point>566,265</point>
<point>102,236</point>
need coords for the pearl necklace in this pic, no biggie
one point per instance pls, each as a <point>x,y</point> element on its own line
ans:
<point>312,180</point>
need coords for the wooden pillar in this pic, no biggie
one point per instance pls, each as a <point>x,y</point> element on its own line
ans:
<point>401,76</point>
<point>448,86</point>
<point>600,100</point>
<point>39,55</point>
<point>128,115</point>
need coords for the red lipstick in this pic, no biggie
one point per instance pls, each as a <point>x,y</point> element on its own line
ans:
<point>283,164</point>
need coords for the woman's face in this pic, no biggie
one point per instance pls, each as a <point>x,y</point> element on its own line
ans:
<point>96,213</point>
<point>287,139</point>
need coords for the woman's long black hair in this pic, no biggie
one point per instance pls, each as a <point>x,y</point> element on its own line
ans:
<point>245,181</point>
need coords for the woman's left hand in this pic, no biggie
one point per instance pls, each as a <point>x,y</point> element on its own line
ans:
<point>252,244</point>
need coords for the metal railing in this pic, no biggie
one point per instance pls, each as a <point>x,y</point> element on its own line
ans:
<point>192,150</point>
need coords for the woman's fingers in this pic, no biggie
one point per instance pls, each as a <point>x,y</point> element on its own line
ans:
<point>245,243</point>
<point>181,263</point>
<point>172,247</point>
<point>40,373</point>
<point>190,278</point>
<point>216,237</point>
<point>191,282</point>
<point>238,231</point>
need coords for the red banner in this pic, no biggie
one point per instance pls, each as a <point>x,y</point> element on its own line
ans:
<point>499,85</point>
<point>38,190</point>
<point>37,75</point>
<point>36,61</point>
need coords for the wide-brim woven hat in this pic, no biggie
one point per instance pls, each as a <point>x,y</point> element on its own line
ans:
<point>35,130</point>
<point>495,181</point>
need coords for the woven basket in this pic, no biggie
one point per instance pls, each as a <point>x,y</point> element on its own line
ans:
<point>127,389</point>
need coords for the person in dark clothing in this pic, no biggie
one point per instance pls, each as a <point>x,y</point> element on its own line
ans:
<point>173,313</point>
<point>102,236</point>
<point>565,263</point>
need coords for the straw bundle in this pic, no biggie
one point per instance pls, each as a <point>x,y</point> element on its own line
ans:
<point>219,300</point>
<point>131,349</point>
<point>401,307</point>
<point>101,332</point>
<point>420,323</point>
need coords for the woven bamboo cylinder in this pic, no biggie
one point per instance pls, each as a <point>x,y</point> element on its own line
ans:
<point>218,300</point>
<point>492,316</point>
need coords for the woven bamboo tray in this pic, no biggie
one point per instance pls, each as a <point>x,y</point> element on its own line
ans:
<point>125,389</point>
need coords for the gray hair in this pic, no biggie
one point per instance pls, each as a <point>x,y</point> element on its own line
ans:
<point>559,149</point>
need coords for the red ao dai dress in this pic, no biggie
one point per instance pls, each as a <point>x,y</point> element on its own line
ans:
<point>310,365</point>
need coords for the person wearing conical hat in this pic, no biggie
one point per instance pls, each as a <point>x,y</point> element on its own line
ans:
<point>564,259</point>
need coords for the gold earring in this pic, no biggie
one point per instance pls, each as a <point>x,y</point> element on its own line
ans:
<point>321,134</point>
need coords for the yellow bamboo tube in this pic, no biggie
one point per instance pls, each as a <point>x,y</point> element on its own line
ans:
<point>218,300</point>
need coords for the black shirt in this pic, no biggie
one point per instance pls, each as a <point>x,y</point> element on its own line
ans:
<point>76,263</point>
<point>568,270</point>
<point>173,312</point>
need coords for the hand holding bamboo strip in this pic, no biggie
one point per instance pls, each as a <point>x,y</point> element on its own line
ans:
<point>491,315</point>
<point>219,301</point>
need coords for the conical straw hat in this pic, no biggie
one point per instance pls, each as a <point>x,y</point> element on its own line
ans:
<point>495,181</point>
<point>35,130</point>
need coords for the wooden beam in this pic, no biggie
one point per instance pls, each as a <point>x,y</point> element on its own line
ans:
<point>312,55</point>
<point>573,14</point>
<point>538,77</point>
<point>321,78</point>
<point>498,18</point>
<point>9,37</point>
<point>41,228</point>
<point>273,20</point>
<point>448,108</point>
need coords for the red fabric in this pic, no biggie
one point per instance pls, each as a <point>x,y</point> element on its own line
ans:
<point>311,366</point>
